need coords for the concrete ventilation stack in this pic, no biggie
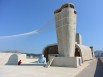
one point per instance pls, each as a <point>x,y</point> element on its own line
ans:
<point>65,19</point>
<point>78,38</point>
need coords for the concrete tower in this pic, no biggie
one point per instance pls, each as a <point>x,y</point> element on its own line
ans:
<point>65,19</point>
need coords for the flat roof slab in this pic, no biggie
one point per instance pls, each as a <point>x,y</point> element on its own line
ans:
<point>32,70</point>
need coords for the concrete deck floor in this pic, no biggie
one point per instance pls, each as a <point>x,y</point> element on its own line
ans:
<point>33,70</point>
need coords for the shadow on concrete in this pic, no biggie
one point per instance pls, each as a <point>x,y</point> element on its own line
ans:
<point>99,69</point>
<point>32,64</point>
<point>13,60</point>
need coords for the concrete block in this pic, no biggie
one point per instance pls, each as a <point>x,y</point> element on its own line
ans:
<point>66,61</point>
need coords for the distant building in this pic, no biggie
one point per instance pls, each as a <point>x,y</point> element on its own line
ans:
<point>98,53</point>
<point>31,56</point>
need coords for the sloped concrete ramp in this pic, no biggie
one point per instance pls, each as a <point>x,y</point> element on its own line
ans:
<point>95,69</point>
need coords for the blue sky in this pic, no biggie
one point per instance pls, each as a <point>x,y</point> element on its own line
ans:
<point>20,16</point>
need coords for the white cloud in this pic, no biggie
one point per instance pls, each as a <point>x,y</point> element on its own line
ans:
<point>18,35</point>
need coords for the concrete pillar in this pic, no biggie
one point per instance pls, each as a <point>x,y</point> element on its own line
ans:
<point>78,38</point>
<point>91,47</point>
<point>65,19</point>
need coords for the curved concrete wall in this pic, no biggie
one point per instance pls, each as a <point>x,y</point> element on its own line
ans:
<point>11,58</point>
<point>66,30</point>
<point>85,51</point>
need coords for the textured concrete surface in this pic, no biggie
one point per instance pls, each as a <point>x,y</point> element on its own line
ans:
<point>95,69</point>
<point>34,70</point>
<point>66,31</point>
<point>66,61</point>
<point>85,52</point>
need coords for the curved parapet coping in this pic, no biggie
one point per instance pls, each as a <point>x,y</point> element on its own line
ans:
<point>64,6</point>
<point>48,46</point>
<point>67,5</point>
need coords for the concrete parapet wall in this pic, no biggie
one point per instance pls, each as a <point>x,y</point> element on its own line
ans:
<point>11,58</point>
<point>66,61</point>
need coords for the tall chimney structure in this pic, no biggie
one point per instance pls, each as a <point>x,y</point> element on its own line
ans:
<point>65,19</point>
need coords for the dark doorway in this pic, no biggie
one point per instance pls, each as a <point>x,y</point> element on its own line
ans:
<point>77,53</point>
<point>50,50</point>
